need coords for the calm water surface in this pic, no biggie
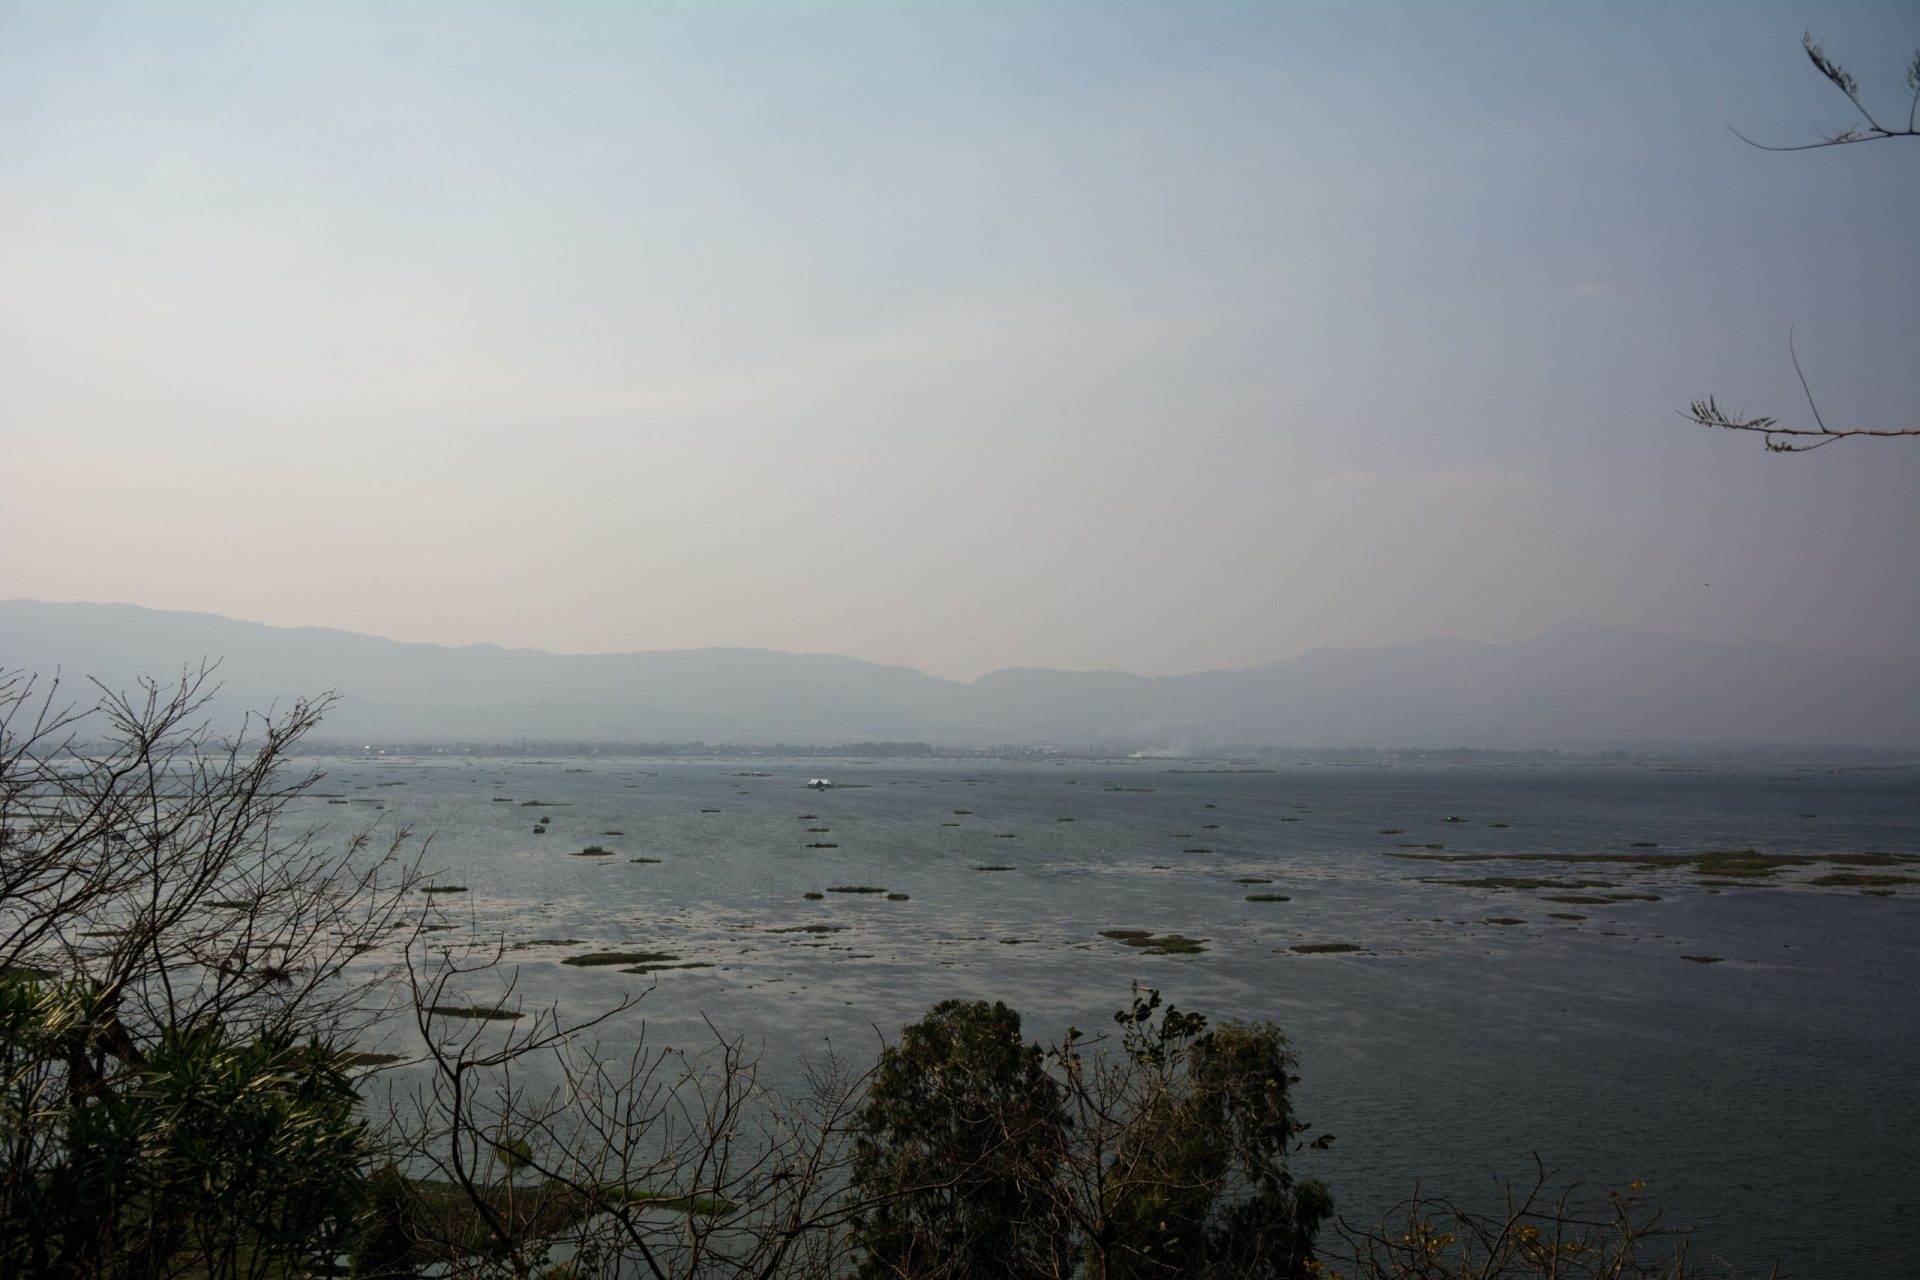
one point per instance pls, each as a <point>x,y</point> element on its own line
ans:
<point>1766,1098</point>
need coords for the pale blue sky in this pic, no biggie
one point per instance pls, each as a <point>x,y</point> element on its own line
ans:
<point>1152,336</point>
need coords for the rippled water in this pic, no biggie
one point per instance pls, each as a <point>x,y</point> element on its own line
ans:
<point>1766,1098</point>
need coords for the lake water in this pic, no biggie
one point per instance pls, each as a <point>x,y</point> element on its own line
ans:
<point>1767,1098</point>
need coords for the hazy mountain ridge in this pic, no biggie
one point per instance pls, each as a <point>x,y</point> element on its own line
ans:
<point>1571,686</point>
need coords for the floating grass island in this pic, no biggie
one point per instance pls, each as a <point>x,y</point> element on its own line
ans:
<point>357,1058</point>
<point>593,851</point>
<point>480,1012</point>
<point>1718,868</point>
<point>995,866</point>
<point>1521,882</point>
<point>1324,948</point>
<point>595,959</point>
<point>1157,944</point>
<point>1504,920</point>
<point>432,888</point>
<point>855,888</point>
<point>1268,897</point>
<point>823,844</point>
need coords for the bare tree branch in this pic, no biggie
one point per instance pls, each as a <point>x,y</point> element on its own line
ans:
<point>1867,128</point>
<point>1783,439</point>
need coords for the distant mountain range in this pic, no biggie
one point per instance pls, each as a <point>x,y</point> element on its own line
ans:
<point>1573,686</point>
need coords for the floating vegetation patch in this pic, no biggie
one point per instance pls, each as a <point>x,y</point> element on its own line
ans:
<point>855,888</point>
<point>949,824</point>
<point>648,861</point>
<point>593,851</point>
<point>655,968</point>
<point>1393,831</point>
<point>613,833</point>
<point>1642,844</point>
<point>1855,880</point>
<point>1006,835</point>
<point>962,813</point>
<point>1157,944</point>
<point>1210,826</point>
<point>1576,899</point>
<point>358,1058</point>
<point>1268,897</point>
<point>24,973</point>
<point>1063,819</point>
<point>542,804</point>
<point>1505,920</point>
<point>709,811</point>
<point>823,844</point>
<point>995,866</point>
<point>546,942</point>
<point>1501,825</point>
<point>808,817</point>
<point>480,1012</point>
<point>1253,880</point>
<point>1565,915</point>
<point>1702,959</point>
<point>1197,849</point>
<point>432,888</point>
<point>1136,789</point>
<point>1719,865</point>
<point>820,831</point>
<point>897,897</point>
<point>1518,882</point>
<point>1633,897</point>
<point>1452,818</point>
<point>1323,948</point>
<point>813,895</point>
<point>811,928</point>
<point>594,959</point>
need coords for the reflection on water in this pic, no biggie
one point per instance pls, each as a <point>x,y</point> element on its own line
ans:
<point>1741,1044</point>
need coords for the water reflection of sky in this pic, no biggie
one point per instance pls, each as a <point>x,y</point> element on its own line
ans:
<point>1757,1095</point>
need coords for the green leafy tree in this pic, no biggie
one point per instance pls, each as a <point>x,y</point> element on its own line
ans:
<point>211,1156</point>
<point>175,1007</point>
<point>1181,1145</point>
<point>959,1148</point>
<point>1163,1156</point>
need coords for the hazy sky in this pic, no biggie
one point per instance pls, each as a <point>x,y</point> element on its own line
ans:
<point>1153,336</point>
